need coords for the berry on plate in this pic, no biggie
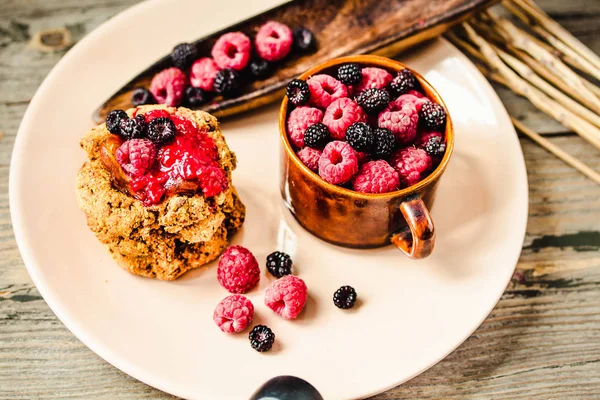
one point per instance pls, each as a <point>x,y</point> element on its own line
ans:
<point>338,163</point>
<point>260,69</point>
<point>194,96</point>
<point>203,72</point>
<point>234,313</point>
<point>273,41</point>
<point>261,338</point>
<point>287,296</point>
<point>340,114</point>
<point>344,297</point>
<point>238,270</point>
<point>304,40</point>
<point>325,89</point>
<point>232,50</point>
<point>141,96</point>
<point>227,82</point>
<point>299,120</point>
<point>376,177</point>
<point>168,85</point>
<point>412,165</point>
<point>279,264</point>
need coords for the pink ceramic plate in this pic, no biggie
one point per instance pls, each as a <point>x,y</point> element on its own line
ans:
<point>411,313</point>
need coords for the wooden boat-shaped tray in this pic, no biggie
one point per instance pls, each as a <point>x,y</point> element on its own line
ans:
<point>341,27</point>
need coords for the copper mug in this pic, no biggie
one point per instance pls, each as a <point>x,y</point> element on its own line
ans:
<point>360,220</point>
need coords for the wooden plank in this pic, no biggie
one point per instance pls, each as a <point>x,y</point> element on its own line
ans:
<point>541,341</point>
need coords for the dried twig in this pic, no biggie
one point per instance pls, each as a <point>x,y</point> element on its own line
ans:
<point>558,152</point>
<point>539,99</point>
<point>561,33</point>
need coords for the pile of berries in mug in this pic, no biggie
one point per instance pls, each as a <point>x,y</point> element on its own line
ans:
<point>234,61</point>
<point>366,129</point>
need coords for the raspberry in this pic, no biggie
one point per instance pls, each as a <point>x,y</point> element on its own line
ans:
<point>141,96</point>
<point>384,143</point>
<point>401,118</point>
<point>373,78</point>
<point>338,163</point>
<point>212,179</point>
<point>168,85</point>
<point>203,72</point>
<point>415,98</point>
<point>286,296</point>
<point>234,313</point>
<point>261,338</point>
<point>260,68</point>
<point>411,164</point>
<point>238,270</point>
<point>349,74</point>
<point>360,136</point>
<point>317,136</point>
<point>113,121</point>
<point>340,114</point>
<point>153,114</point>
<point>136,156</point>
<point>232,50</point>
<point>376,177</point>
<point>227,82</point>
<point>273,41</point>
<point>300,119</point>
<point>161,130</point>
<point>344,297</point>
<point>403,82</point>
<point>183,55</point>
<point>310,157</point>
<point>433,116</point>
<point>279,264</point>
<point>134,128</point>
<point>362,157</point>
<point>304,40</point>
<point>297,92</point>
<point>373,100</point>
<point>194,96</point>
<point>325,89</point>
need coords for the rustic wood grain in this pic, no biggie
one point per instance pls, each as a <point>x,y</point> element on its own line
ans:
<point>542,341</point>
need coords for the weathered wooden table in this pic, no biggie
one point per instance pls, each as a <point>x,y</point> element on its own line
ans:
<point>541,341</point>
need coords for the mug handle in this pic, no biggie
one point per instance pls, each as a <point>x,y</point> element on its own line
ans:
<point>418,240</point>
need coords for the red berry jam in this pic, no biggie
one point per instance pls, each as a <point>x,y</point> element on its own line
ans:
<point>189,164</point>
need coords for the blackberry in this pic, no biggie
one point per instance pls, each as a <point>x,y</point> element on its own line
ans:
<point>279,264</point>
<point>261,338</point>
<point>433,116</point>
<point>297,92</point>
<point>304,40</point>
<point>344,297</point>
<point>349,74</point>
<point>403,82</point>
<point>317,136</point>
<point>141,96</point>
<point>360,136</point>
<point>435,147</point>
<point>373,100</point>
<point>161,130</point>
<point>134,128</point>
<point>260,69</point>
<point>194,96</point>
<point>227,82</point>
<point>183,55</point>
<point>383,144</point>
<point>113,121</point>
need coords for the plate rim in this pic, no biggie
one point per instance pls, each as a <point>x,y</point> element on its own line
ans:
<point>108,355</point>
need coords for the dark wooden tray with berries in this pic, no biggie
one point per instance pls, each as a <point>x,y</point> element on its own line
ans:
<point>249,64</point>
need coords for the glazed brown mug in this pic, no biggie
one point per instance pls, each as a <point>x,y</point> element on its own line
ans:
<point>361,220</point>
